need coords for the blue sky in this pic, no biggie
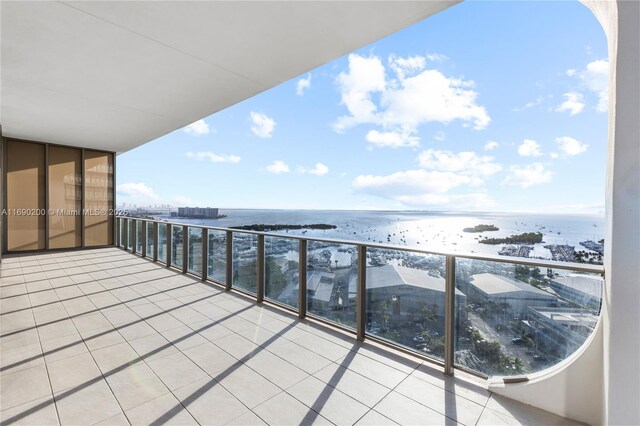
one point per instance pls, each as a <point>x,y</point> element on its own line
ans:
<point>487,106</point>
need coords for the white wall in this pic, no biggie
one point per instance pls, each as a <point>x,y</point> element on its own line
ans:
<point>601,385</point>
<point>622,256</point>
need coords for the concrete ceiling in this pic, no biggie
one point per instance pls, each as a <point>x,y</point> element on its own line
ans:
<point>115,75</point>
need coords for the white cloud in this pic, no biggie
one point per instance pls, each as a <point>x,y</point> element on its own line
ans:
<point>319,170</point>
<point>303,84</point>
<point>527,175</point>
<point>596,78</point>
<point>423,189</point>
<point>277,167</point>
<point>570,146</point>
<point>392,139</point>
<point>573,103</point>
<point>214,158</point>
<point>529,148</point>
<point>439,136</point>
<point>262,125</point>
<point>406,66</point>
<point>411,182</point>
<point>198,128</point>
<point>365,76</point>
<point>436,57</point>
<point>537,101</point>
<point>465,163</point>
<point>139,189</point>
<point>491,145</point>
<point>418,95</point>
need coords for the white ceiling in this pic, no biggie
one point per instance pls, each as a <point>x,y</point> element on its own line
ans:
<point>115,75</point>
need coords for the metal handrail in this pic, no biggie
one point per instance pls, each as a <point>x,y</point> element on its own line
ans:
<point>573,266</point>
<point>124,223</point>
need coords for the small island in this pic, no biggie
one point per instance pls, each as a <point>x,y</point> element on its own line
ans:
<point>526,238</point>
<point>265,228</point>
<point>481,228</point>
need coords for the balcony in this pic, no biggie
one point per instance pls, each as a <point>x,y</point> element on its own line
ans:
<point>104,336</point>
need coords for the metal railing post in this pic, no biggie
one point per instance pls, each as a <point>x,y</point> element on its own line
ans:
<point>260,273</point>
<point>169,240</point>
<point>229,268</point>
<point>154,232</point>
<point>185,249</point>
<point>449,313</point>
<point>143,223</point>
<point>361,296</point>
<point>302,279</point>
<point>205,254</point>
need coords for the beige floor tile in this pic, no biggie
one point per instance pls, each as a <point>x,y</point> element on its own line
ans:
<point>176,370</point>
<point>237,346</point>
<point>135,385</point>
<point>403,410</point>
<point>211,358</point>
<point>375,370</point>
<point>20,358</point>
<point>295,413</point>
<point>303,358</point>
<point>102,338</point>
<point>166,407</point>
<point>117,420</point>
<point>40,412</point>
<point>183,337</point>
<point>24,386</point>
<point>153,347</point>
<point>115,356</point>
<point>451,405</point>
<point>63,347</point>
<point>87,405</point>
<point>275,369</point>
<point>457,384</point>
<point>247,419</point>
<point>373,418</point>
<point>72,372</point>
<point>328,401</point>
<point>247,385</point>
<point>353,384</point>
<point>207,400</point>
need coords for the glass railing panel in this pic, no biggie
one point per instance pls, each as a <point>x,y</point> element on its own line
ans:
<point>176,246</point>
<point>519,319</point>
<point>162,242</point>
<point>123,233</point>
<point>332,275</point>
<point>406,299</point>
<point>245,249</point>
<point>281,270</point>
<point>194,255</point>
<point>149,241</point>
<point>139,242</point>
<point>132,233</point>
<point>217,256</point>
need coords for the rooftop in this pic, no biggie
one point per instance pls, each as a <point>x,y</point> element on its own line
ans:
<point>493,285</point>
<point>105,337</point>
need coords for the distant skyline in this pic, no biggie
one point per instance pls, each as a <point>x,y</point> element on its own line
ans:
<point>487,106</point>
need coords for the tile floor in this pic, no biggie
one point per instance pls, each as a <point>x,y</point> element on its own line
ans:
<point>105,337</point>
